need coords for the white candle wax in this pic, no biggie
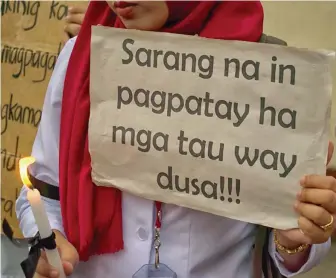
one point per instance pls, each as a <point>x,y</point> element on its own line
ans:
<point>43,225</point>
<point>41,218</point>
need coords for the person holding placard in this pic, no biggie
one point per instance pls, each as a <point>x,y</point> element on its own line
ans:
<point>102,232</point>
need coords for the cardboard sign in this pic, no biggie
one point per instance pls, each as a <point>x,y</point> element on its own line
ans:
<point>31,39</point>
<point>218,126</point>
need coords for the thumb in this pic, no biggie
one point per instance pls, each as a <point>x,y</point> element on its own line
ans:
<point>68,268</point>
<point>68,253</point>
<point>69,256</point>
<point>330,151</point>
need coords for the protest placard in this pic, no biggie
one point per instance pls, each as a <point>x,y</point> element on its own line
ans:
<point>31,40</point>
<point>218,126</point>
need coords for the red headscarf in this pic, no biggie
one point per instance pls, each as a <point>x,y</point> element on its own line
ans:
<point>92,216</point>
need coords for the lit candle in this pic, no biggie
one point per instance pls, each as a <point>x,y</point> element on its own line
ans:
<point>40,215</point>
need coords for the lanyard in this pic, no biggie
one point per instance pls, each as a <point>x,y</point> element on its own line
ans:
<point>157,269</point>
<point>157,242</point>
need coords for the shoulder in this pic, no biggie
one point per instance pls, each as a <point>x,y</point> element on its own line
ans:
<point>66,51</point>
<point>56,84</point>
<point>63,60</point>
<point>70,43</point>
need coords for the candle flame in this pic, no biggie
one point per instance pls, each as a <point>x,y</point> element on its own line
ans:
<point>23,165</point>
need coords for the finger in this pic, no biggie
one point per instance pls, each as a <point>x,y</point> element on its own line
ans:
<point>330,151</point>
<point>322,197</point>
<point>68,268</point>
<point>77,9</point>
<point>44,269</point>
<point>69,257</point>
<point>318,181</point>
<point>75,18</point>
<point>315,234</point>
<point>72,29</point>
<point>331,172</point>
<point>314,213</point>
<point>296,235</point>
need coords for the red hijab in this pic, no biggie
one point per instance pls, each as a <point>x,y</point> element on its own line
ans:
<point>92,216</point>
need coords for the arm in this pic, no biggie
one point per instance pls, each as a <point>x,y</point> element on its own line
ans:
<point>292,265</point>
<point>46,149</point>
<point>315,205</point>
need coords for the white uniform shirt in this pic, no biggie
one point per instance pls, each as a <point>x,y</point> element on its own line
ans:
<point>194,244</point>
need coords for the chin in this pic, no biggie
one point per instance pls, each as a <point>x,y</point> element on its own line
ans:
<point>130,24</point>
<point>140,25</point>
